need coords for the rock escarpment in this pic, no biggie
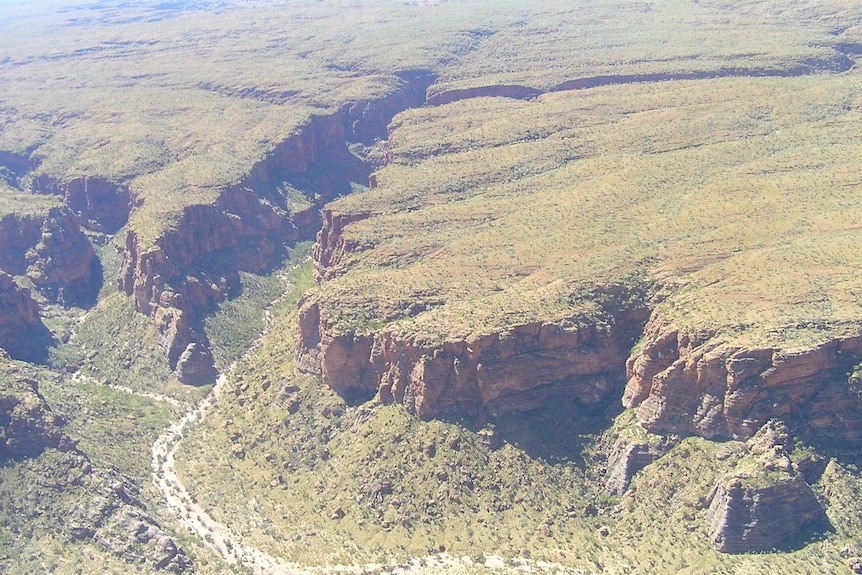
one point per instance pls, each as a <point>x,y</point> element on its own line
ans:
<point>195,264</point>
<point>112,515</point>
<point>100,205</point>
<point>18,233</point>
<point>764,500</point>
<point>28,426</point>
<point>22,333</point>
<point>692,383</point>
<point>517,369</point>
<point>630,455</point>
<point>62,265</point>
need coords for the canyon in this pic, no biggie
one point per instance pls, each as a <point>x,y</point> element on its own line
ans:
<point>658,238</point>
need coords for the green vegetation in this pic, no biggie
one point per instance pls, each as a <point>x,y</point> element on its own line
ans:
<point>729,203</point>
<point>164,99</point>
<point>496,212</point>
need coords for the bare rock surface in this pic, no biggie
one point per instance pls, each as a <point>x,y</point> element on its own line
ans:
<point>22,333</point>
<point>764,501</point>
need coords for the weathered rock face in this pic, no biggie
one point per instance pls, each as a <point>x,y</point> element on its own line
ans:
<point>367,121</point>
<point>100,205</point>
<point>63,265</point>
<point>104,506</point>
<point>496,91</point>
<point>195,365</point>
<point>630,456</point>
<point>744,519</point>
<point>688,383</point>
<point>331,244</point>
<point>22,333</point>
<point>515,370</point>
<point>27,424</point>
<point>17,235</point>
<point>764,501</point>
<point>195,265</point>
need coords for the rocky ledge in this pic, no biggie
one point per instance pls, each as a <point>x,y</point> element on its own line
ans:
<point>195,264</point>
<point>691,383</point>
<point>22,333</point>
<point>765,500</point>
<point>517,369</point>
<point>28,426</point>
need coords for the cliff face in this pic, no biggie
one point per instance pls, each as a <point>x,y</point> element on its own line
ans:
<point>27,424</point>
<point>168,284</point>
<point>62,265</point>
<point>100,205</point>
<point>368,120</point>
<point>514,370</point>
<point>195,265</point>
<point>22,333</point>
<point>17,235</point>
<point>765,500</point>
<point>685,383</point>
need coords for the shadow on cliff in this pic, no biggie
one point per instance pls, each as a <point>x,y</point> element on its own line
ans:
<point>560,430</point>
<point>816,532</point>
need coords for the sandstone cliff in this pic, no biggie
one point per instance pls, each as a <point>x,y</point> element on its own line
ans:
<point>22,333</point>
<point>694,383</point>
<point>17,235</point>
<point>100,205</point>
<point>764,500</point>
<point>517,369</point>
<point>28,426</point>
<point>62,265</point>
<point>194,265</point>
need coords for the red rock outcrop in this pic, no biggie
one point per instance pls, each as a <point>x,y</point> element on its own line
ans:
<point>63,265</point>
<point>27,424</point>
<point>177,277</point>
<point>439,98</point>
<point>691,383</point>
<point>514,370</point>
<point>368,120</point>
<point>764,501</point>
<point>331,245</point>
<point>167,281</point>
<point>100,205</point>
<point>18,233</point>
<point>22,333</point>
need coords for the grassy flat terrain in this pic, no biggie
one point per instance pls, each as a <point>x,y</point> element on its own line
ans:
<point>739,196</point>
<point>181,100</point>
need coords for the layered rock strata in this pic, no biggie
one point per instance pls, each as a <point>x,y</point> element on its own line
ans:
<point>690,383</point>
<point>22,333</point>
<point>28,426</point>
<point>100,205</point>
<point>62,265</point>
<point>764,501</point>
<point>194,265</point>
<point>629,456</point>
<point>517,369</point>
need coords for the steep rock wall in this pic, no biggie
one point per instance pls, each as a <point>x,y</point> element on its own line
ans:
<point>195,265</point>
<point>368,120</point>
<point>690,383</point>
<point>22,333</point>
<point>27,424</point>
<point>517,369</point>
<point>101,205</point>
<point>18,234</point>
<point>839,62</point>
<point>54,253</point>
<point>63,265</point>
